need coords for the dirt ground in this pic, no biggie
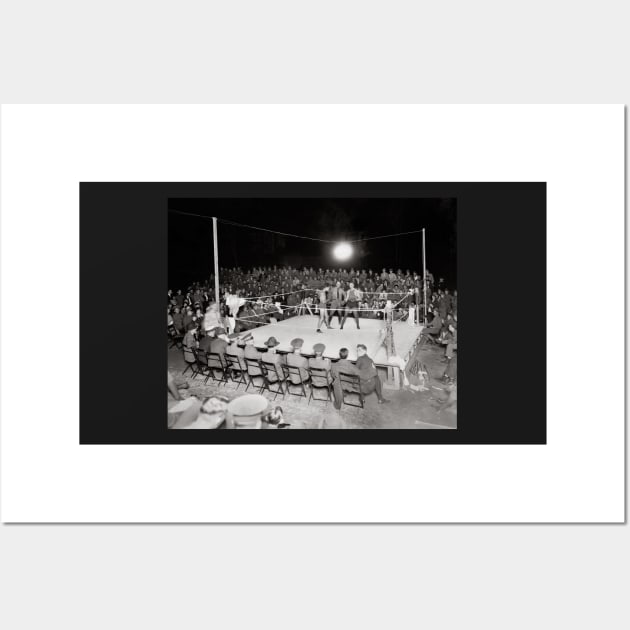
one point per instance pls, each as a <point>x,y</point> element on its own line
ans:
<point>407,409</point>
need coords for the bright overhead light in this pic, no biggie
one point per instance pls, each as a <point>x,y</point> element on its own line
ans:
<point>342,251</point>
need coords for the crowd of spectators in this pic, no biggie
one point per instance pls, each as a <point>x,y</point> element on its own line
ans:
<point>249,298</point>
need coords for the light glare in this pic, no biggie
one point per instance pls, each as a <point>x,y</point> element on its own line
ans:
<point>342,251</point>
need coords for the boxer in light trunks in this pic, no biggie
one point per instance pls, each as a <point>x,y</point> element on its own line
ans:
<point>323,314</point>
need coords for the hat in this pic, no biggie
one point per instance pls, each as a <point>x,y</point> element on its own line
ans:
<point>272,342</point>
<point>318,348</point>
<point>297,343</point>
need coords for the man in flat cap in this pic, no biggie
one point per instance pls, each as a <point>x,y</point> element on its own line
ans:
<point>320,363</point>
<point>274,360</point>
<point>295,359</point>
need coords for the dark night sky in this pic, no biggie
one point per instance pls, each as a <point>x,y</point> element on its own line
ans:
<point>190,238</point>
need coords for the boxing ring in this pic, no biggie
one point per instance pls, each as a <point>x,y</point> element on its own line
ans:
<point>371,334</point>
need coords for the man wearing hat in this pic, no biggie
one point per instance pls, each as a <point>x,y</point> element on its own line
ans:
<point>320,363</point>
<point>272,357</point>
<point>295,359</point>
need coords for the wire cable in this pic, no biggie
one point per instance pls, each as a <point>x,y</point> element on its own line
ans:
<point>309,238</point>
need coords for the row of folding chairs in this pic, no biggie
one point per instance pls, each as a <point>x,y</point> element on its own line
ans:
<point>264,376</point>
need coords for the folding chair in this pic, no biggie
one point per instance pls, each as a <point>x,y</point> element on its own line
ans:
<point>202,365</point>
<point>256,364</point>
<point>272,369</point>
<point>175,339</point>
<point>217,364</point>
<point>320,380</point>
<point>350,384</point>
<point>237,372</point>
<point>293,370</point>
<point>190,356</point>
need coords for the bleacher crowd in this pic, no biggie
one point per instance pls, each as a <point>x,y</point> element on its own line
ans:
<point>250,298</point>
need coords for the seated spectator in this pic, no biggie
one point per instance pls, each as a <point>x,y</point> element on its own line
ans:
<point>320,363</point>
<point>236,348</point>
<point>178,320</point>
<point>271,356</point>
<point>252,353</point>
<point>435,325</point>
<point>368,375</point>
<point>206,341</point>
<point>220,342</point>
<point>343,366</point>
<point>295,359</point>
<point>190,344</point>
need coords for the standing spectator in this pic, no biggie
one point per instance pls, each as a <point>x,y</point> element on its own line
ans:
<point>450,340</point>
<point>188,317</point>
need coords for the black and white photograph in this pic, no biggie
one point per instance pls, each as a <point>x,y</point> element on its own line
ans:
<point>329,313</point>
